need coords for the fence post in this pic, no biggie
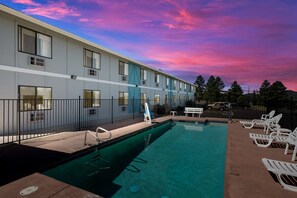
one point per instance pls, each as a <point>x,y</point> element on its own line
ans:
<point>291,112</point>
<point>111,109</point>
<point>133,107</point>
<point>79,113</point>
<point>19,118</point>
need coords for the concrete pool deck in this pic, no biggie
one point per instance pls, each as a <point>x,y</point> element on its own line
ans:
<point>245,175</point>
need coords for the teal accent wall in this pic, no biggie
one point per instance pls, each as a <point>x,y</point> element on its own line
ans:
<point>134,92</point>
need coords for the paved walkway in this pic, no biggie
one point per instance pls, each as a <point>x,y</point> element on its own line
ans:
<point>245,175</point>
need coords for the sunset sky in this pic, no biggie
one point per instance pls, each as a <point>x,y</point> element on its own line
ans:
<point>243,40</point>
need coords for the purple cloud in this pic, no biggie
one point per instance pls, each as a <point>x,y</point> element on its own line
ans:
<point>247,41</point>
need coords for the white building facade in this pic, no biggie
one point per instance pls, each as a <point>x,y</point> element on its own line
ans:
<point>39,63</point>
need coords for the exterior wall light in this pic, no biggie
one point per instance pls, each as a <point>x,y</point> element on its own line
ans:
<point>73,77</point>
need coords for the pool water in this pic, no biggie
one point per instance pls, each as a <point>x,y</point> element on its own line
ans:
<point>173,160</point>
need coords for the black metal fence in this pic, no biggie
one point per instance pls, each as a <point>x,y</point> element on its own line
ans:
<point>288,120</point>
<point>26,119</point>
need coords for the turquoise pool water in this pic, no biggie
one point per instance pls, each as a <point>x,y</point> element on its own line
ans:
<point>173,160</point>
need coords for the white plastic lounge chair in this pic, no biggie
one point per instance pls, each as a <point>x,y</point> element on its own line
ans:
<point>264,140</point>
<point>282,170</point>
<point>147,114</point>
<point>258,122</point>
<point>292,140</point>
<point>272,124</point>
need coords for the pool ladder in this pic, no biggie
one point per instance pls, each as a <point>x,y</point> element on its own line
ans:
<point>96,135</point>
<point>97,167</point>
<point>147,140</point>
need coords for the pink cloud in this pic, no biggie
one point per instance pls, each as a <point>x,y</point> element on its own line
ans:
<point>236,40</point>
<point>83,20</point>
<point>53,10</point>
<point>26,2</point>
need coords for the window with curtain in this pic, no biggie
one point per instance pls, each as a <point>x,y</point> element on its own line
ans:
<point>157,78</point>
<point>92,98</point>
<point>35,98</point>
<point>167,82</point>
<point>35,43</point>
<point>143,98</point>
<point>92,59</point>
<point>123,68</point>
<point>123,98</point>
<point>143,74</point>
<point>157,99</point>
<point>166,99</point>
<point>180,86</point>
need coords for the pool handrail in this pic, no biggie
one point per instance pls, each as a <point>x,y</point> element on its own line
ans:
<point>96,135</point>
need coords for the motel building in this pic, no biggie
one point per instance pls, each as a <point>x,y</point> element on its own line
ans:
<point>52,80</point>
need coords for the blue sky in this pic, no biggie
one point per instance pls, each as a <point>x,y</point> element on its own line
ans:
<point>244,40</point>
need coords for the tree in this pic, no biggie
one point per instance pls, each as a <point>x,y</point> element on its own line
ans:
<point>200,89</point>
<point>213,89</point>
<point>264,92</point>
<point>255,98</point>
<point>277,95</point>
<point>235,92</point>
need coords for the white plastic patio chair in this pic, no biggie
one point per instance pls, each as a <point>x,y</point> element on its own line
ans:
<point>292,140</point>
<point>282,170</point>
<point>272,124</point>
<point>258,122</point>
<point>279,136</point>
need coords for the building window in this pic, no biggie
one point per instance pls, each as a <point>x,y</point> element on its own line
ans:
<point>174,84</point>
<point>92,59</point>
<point>92,98</point>
<point>157,78</point>
<point>192,89</point>
<point>166,99</point>
<point>143,74</point>
<point>123,68</point>
<point>35,98</point>
<point>180,86</point>
<point>123,98</point>
<point>35,43</point>
<point>185,87</point>
<point>143,98</point>
<point>167,82</point>
<point>157,99</point>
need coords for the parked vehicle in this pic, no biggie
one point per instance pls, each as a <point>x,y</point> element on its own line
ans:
<point>219,106</point>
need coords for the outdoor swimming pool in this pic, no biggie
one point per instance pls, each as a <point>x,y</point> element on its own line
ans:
<point>172,160</point>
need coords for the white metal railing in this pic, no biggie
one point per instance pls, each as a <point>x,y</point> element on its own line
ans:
<point>96,135</point>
